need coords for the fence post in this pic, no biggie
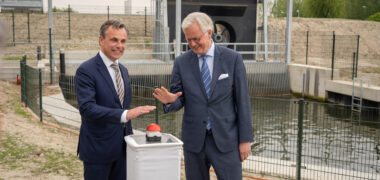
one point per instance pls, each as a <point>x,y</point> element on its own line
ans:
<point>276,46</point>
<point>357,56</point>
<point>22,74</point>
<point>13,27</point>
<point>307,45</point>
<point>299,137</point>
<point>28,26</point>
<point>25,82</point>
<point>68,12</point>
<point>145,20</point>
<point>332,57</point>
<point>62,61</point>
<point>353,64</point>
<point>51,56</point>
<point>40,85</point>
<point>108,12</point>
<point>62,65</point>
<point>156,101</point>
<point>156,115</point>
<point>38,53</point>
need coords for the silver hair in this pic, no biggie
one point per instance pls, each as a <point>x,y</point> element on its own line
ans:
<point>204,21</point>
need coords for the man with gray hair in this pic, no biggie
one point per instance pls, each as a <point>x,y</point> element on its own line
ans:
<point>210,83</point>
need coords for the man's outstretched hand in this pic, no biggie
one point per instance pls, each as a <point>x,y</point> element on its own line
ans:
<point>137,111</point>
<point>164,96</point>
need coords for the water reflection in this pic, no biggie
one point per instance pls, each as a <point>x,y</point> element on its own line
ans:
<point>332,136</point>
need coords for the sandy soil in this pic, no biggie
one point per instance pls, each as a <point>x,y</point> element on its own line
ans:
<point>27,132</point>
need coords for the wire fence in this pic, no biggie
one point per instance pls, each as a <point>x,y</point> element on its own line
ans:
<point>293,138</point>
<point>330,50</point>
<point>77,33</point>
<point>33,27</point>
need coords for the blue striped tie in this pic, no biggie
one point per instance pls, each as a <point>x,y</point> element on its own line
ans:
<point>206,79</point>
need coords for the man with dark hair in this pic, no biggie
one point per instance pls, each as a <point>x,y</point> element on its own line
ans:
<point>104,95</point>
<point>210,82</point>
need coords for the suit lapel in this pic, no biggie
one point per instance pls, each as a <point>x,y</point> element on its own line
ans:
<point>106,75</point>
<point>217,69</point>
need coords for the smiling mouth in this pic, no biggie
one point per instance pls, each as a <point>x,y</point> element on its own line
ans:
<point>117,51</point>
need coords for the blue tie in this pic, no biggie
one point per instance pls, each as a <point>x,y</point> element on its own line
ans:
<point>206,79</point>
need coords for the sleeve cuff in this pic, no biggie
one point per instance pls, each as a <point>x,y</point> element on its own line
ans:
<point>123,118</point>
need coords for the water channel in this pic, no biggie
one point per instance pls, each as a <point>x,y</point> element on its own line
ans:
<point>332,135</point>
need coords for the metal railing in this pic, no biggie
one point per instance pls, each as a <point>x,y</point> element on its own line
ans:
<point>293,138</point>
<point>254,51</point>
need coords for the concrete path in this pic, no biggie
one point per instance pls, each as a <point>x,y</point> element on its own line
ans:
<point>63,112</point>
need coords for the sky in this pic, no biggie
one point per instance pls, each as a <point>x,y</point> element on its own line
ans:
<point>99,6</point>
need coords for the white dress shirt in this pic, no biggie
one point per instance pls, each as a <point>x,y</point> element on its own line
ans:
<point>209,59</point>
<point>112,72</point>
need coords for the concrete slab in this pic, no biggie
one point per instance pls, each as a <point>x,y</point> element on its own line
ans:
<point>63,112</point>
<point>284,168</point>
<point>371,92</point>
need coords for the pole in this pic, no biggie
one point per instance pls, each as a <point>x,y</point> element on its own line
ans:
<point>68,12</point>
<point>145,20</point>
<point>51,56</point>
<point>265,29</point>
<point>40,85</point>
<point>156,114</point>
<point>299,137</point>
<point>50,13</point>
<point>22,74</point>
<point>289,30</point>
<point>178,19</point>
<point>38,52</point>
<point>13,27</point>
<point>353,64</point>
<point>332,57</point>
<point>357,56</point>
<point>303,84</point>
<point>28,26</point>
<point>307,45</point>
<point>25,95</point>
<point>108,12</point>
<point>62,62</point>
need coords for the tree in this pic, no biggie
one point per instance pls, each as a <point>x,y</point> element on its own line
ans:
<point>361,9</point>
<point>55,9</point>
<point>324,8</point>
<point>279,8</point>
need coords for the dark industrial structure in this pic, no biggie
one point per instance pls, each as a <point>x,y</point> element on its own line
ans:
<point>235,20</point>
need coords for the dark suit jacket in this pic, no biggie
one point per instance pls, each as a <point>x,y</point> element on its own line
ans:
<point>101,133</point>
<point>228,107</point>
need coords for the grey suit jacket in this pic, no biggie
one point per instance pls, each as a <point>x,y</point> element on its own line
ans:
<point>228,107</point>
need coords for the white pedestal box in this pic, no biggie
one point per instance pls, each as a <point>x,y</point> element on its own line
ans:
<point>158,160</point>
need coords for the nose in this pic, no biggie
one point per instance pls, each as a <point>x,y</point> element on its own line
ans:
<point>120,44</point>
<point>191,43</point>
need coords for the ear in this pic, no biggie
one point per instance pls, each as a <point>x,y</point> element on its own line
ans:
<point>101,40</point>
<point>209,32</point>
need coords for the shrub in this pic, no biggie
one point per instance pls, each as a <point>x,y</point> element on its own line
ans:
<point>375,17</point>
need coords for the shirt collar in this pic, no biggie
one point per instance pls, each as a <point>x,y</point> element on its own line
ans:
<point>106,60</point>
<point>210,52</point>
